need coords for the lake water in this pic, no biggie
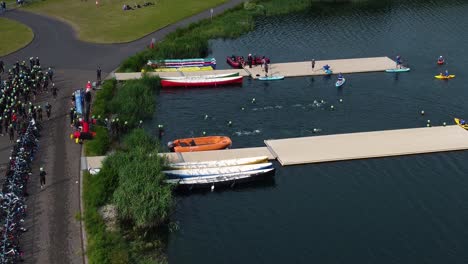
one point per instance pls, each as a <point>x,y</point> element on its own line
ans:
<point>410,209</point>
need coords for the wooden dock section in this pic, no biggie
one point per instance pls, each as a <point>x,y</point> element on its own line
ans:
<point>288,69</point>
<point>96,162</point>
<point>297,69</point>
<point>124,76</point>
<point>365,145</point>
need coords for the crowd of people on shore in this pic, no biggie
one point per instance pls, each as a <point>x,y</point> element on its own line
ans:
<point>129,7</point>
<point>19,87</point>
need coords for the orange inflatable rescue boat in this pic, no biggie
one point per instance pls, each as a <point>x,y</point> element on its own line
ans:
<point>199,144</point>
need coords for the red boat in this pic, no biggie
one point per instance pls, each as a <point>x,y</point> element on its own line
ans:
<point>202,82</point>
<point>239,61</point>
<point>235,61</point>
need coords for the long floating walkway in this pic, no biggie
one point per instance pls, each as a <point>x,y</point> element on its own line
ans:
<point>297,69</point>
<point>363,145</point>
<point>288,69</point>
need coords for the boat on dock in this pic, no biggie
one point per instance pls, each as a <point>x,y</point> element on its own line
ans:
<point>211,76</point>
<point>184,69</point>
<point>181,63</point>
<point>214,82</point>
<point>199,144</point>
<point>171,174</point>
<point>217,163</point>
<point>218,180</point>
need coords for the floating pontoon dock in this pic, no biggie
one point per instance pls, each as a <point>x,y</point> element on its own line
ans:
<point>304,68</point>
<point>288,69</point>
<point>315,149</point>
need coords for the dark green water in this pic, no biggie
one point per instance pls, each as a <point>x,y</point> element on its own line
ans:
<point>410,209</point>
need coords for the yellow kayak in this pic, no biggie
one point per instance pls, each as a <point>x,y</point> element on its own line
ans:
<point>443,77</point>
<point>184,69</point>
<point>457,121</point>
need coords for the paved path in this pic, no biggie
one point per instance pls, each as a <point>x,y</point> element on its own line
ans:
<point>54,234</point>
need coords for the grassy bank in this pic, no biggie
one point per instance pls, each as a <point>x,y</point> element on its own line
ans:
<point>108,23</point>
<point>192,41</point>
<point>14,36</point>
<point>118,108</point>
<point>132,181</point>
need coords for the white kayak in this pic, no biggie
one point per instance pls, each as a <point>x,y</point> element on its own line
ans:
<point>271,78</point>
<point>398,70</point>
<point>217,163</point>
<point>215,171</point>
<point>219,178</point>
<point>340,83</point>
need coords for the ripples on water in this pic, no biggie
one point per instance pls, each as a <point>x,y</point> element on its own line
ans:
<point>393,210</point>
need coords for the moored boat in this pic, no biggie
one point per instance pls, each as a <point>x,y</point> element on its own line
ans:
<point>211,76</point>
<point>217,163</point>
<point>202,82</point>
<point>271,78</point>
<point>199,144</point>
<point>235,61</point>
<point>398,70</point>
<point>188,173</point>
<point>224,179</point>
<point>239,61</point>
<point>461,123</point>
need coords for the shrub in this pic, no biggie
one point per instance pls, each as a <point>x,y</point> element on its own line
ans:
<point>99,145</point>
<point>142,197</point>
<point>134,100</point>
<point>103,97</point>
<point>103,247</point>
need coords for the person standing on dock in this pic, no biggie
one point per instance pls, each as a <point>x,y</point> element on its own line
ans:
<point>249,60</point>
<point>313,64</point>
<point>266,68</point>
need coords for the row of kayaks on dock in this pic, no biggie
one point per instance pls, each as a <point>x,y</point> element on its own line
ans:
<point>218,172</point>
<point>183,63</point>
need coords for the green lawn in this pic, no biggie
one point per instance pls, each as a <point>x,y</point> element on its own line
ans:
<point>14,36</point>
<point>108,23</point>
